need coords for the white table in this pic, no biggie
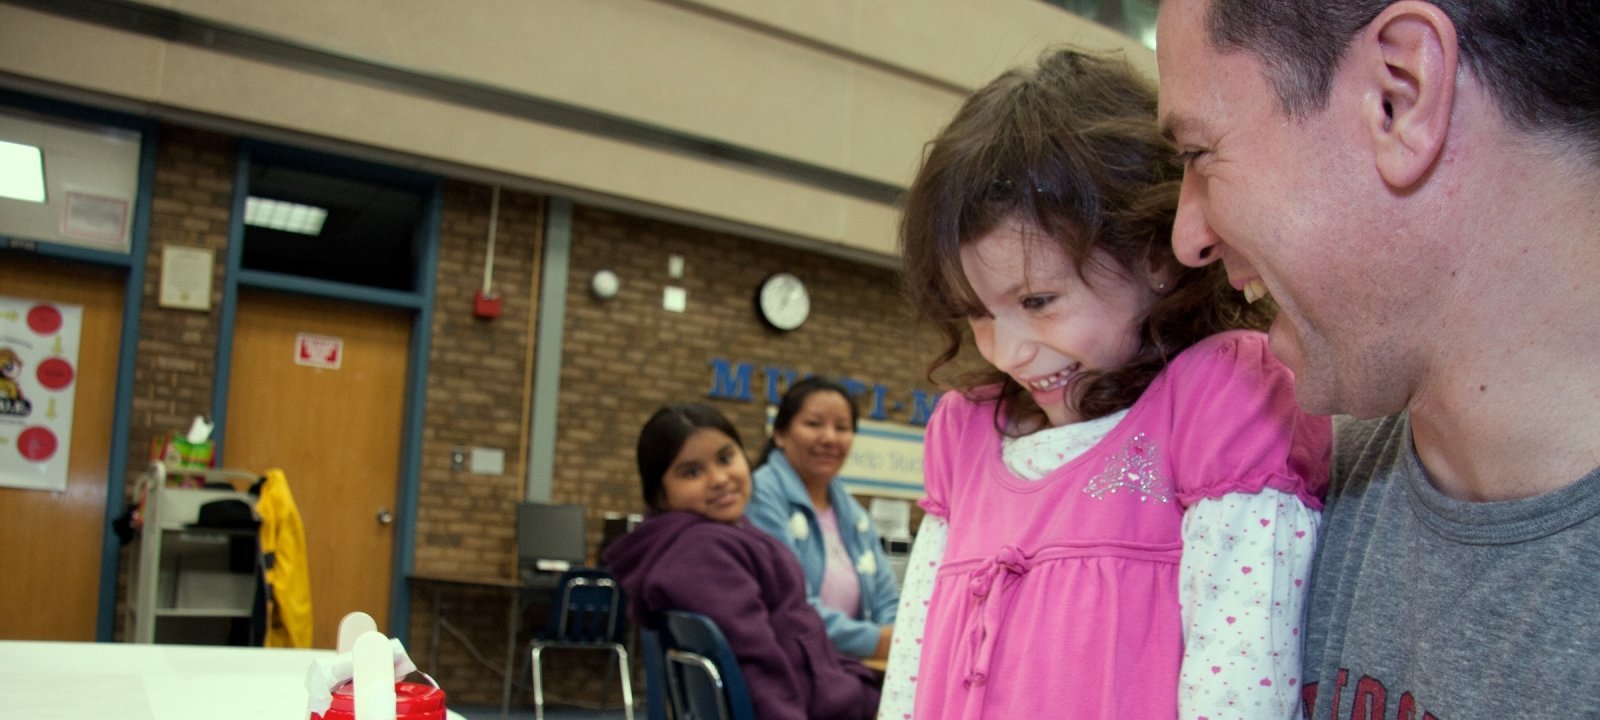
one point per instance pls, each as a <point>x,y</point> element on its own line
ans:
<point>117,681</point>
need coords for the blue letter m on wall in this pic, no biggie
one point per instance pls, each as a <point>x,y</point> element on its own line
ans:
<point>730,382</point>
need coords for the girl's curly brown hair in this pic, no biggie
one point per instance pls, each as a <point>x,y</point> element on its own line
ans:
<point>1072,149</point>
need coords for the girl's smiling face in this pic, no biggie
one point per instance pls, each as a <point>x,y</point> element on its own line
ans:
<point>1043,324</point>
<point>710,476</point>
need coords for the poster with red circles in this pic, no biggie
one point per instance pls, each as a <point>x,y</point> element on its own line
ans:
<point>38,378</point>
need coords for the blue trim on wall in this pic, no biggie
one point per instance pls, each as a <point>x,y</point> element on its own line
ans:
<point>128,339</point>
<point>420,301</point>
<point>410,300</point>
<point>222,377</point>
<point>74,253</point>
<point>881,484</point>
<point>411,439</point>
<point>122,410</point>
<point>321,162</point>
<point>895,434</point>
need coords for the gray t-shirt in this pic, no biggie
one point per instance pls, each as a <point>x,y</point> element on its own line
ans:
<point>1428,607</point>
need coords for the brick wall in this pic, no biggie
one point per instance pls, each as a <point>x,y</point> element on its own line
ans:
<point>175,367</point>
<point>176,364</point>
<point>478,370</point>
<point>476,395</point>
<point>622,358</point>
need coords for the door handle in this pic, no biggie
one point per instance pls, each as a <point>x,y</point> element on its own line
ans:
<point>385,517</point>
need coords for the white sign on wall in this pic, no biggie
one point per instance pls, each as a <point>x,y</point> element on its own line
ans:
<point>38,381</point>
<point>95,217</point>
<point>186,277</point>
<point>885,460</point>
<point>319,351</point>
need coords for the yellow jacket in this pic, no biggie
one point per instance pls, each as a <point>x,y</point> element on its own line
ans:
<point>283,565</point>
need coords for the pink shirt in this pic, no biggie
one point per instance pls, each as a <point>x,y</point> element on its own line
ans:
<point>841,587</point>
<point>1060,596</point>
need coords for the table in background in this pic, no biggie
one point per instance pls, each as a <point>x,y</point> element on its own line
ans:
<point>520,594</point>
<point>123,681</point>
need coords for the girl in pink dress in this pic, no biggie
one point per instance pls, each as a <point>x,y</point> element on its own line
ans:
<point>1122,497</point>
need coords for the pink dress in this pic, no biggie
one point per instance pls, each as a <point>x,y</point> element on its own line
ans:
<point>1059,598</point>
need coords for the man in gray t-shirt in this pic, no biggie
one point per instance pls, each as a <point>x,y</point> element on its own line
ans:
<point>1416,185</point>
<point>1434,607</point>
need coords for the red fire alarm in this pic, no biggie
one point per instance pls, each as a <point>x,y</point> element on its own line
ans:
<point>486,305</point>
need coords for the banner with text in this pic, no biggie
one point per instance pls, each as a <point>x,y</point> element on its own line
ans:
<point>885,460</point>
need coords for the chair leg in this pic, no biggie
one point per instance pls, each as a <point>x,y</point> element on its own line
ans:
<point>538,686</point>
<point>605,682</point>
<point>627,681</point>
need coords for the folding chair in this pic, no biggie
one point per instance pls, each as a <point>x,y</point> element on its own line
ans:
<point>585,613</point>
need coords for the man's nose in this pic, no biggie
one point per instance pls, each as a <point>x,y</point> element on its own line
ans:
<point>1193,240</point>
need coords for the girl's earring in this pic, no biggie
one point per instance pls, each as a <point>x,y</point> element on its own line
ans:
<point>1160,286</point>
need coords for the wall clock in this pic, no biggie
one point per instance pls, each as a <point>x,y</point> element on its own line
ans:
<point>782,301</point>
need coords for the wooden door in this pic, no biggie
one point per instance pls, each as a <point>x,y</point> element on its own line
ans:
<point>51,561</point>
<point>336,433</point>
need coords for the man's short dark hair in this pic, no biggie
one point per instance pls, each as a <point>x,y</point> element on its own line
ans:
<point>1540,60</point>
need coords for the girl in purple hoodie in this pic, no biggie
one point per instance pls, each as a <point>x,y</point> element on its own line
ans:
<point>696,552</point>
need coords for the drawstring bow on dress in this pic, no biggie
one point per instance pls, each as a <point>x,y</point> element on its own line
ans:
<point>989,585</point>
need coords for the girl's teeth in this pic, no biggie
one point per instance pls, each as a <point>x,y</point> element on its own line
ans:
<point>1053,380</point>
<point>1255,291</point>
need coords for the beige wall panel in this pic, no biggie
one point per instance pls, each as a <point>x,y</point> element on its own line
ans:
<point>963,42</point>
<point>46,47</point>
<point>685,69</point>
<point>211,83</point>
<point>649,61</point>
<point>886,138</point>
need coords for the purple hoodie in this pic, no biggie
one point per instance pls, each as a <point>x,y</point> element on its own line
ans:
<point>751,586</point>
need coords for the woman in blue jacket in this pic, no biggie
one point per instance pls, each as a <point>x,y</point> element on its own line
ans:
<point>799,500</point>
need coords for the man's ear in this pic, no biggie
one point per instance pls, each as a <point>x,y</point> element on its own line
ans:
<point>1409,54</point>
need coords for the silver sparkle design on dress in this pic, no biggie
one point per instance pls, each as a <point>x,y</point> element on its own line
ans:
<point>1135,470</point>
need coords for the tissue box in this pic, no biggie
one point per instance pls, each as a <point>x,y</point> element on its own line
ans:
<point>179,454</point>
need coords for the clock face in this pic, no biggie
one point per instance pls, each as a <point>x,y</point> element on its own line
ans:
<point>783,301</point>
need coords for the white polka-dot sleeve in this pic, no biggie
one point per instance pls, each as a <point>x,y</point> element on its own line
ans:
<point>1242,584</point>
<point>905,648</point>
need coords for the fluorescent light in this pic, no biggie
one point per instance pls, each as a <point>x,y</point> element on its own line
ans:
<point>285,216</point>
<point>21,172</point>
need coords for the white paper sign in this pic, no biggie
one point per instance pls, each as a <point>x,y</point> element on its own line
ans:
<point>186,277</point>
<point>38,381</point>
<point>319,351</point>
<point>95,217</point>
